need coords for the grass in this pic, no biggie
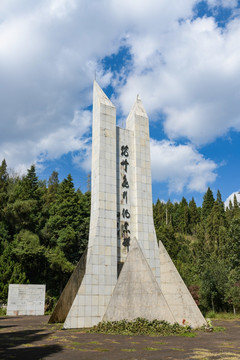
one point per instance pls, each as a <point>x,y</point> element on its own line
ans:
<point>204,354</point>
<point>149,348</point>
<point>219,329</point>
<point>228,345</point>
<point>222,316</point>
<point>76,343</point>
<point>56,326</point>
<point>101,350</point>
<point>190,334</point>
<point>128,350</point>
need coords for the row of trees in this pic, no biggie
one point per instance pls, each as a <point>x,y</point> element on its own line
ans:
<point>204,243</point>
<point>44,229</point>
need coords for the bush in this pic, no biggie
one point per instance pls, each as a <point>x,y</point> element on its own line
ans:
<point>50,304</point>
<point>140,326</point>
<point>3,311</point>
<point>211,315</point>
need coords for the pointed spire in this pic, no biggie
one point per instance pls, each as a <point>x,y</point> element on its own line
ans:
<point>137,110</point>
<point>98,94</point>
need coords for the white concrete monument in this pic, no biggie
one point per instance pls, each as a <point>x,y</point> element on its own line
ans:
<point>26,299</point>
<point>127,273</point>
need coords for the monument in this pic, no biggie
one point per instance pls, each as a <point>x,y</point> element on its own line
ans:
<point>125,274</point>
<point>26,299</point>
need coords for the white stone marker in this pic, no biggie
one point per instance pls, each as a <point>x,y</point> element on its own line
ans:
<point>26,299</point>
<point>122,233</point>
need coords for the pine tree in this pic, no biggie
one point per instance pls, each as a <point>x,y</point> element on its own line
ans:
<point>213,285</point>
<point>159,213</point>
<point>53,184</point>
<point>25,203</point>
<point>232,244</point>
<point>30,189</point>
<point>215,221</point>
<point>219,201</point>
<point>193,214</point>
<point>3,188</point>
<point>235,202</point>
<point>208,202</point>
<point>63,224</point>
<point>181,220</point>
<point>236,208</point>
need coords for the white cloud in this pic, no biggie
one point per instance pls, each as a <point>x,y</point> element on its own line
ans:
<point>62,8</point>
<point>63,140</point>
<point>49,53</point>
<point>181,166</point>
<point>223,3</point>
<point>191,74</point>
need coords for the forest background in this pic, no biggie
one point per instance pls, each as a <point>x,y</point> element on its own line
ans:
<point>44,229</point>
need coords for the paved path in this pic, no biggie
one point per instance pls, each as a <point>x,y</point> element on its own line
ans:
<point>27,337</point>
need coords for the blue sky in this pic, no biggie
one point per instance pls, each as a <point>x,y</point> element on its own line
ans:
<point>181,56</point>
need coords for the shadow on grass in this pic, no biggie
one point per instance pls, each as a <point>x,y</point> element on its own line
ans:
<point>2,326</point>
<point>7,326</point>
<point>19,345</point>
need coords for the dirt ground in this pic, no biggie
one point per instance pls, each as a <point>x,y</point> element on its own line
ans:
<point>30,337</point>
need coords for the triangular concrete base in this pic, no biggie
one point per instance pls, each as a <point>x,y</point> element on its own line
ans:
<point>176,293</point>
<point>68,295</point>
<point>137,293</point>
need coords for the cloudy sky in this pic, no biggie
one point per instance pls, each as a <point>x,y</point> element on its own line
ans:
<point>181,56</point>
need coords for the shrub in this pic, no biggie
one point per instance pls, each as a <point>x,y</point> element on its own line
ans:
<point>140,326</point>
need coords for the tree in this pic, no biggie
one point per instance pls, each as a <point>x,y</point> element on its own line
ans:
<point>181,216</point>
<point>184,260</point>
<point>30,188</point>
<point>233,289</point>
<point>3,188</point>
<point>4,236</point>
<point>40,228</point>
<point>166,234</point>
<point>219,201</point>
<point>214,223</point>
<point>62,227</point>
<point>208,202</point>
<point>24,209</point>
<point>83,229</point>
<point>28,252</point>
<point>53,184</point>
<point>159,213</point>
<point>11,272</point>
<point>193,214</point>
<point>231,248</point>
<point>59,271</point>
<point>236,209</point>
<point>213,285</point>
